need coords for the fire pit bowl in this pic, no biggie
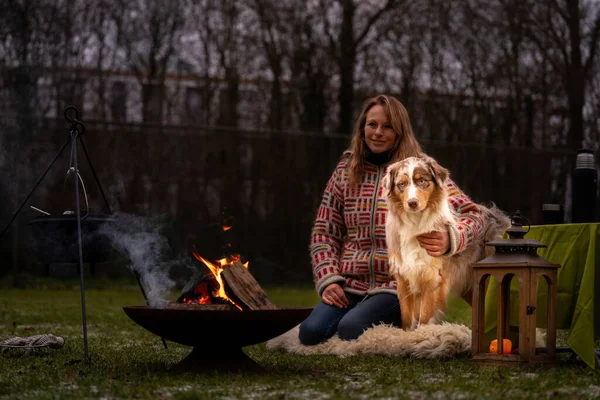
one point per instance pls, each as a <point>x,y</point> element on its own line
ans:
<point>217,336</point>
<point>55,238</point>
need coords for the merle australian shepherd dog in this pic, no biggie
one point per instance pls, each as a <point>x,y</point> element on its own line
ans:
<point>417,197</point>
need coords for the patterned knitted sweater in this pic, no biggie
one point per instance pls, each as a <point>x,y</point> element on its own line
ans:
<point>348,238</point>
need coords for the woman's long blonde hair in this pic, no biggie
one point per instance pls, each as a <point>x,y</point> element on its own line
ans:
<point>406,144</point>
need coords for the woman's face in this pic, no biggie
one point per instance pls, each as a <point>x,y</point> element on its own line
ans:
<point>379,135</point>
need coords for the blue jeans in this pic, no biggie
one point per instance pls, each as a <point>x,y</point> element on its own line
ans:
<point>362,313</point>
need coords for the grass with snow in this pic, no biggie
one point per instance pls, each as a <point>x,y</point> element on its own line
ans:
<point>130,362</point>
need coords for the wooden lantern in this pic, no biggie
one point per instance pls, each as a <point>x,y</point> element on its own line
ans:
<point>514,257</point>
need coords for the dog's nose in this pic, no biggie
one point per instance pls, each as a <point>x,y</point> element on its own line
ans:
<point>413,203</point>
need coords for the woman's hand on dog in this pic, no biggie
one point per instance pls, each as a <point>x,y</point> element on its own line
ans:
<point>436,243</point>
<point>334,295</point>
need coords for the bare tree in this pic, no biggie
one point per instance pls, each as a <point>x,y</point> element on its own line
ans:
<point>311,69</point>
<point>150,34</point>
<point>346,34</point>
<point>223,41</point>
<point>393,60</point>
<point>567,34</point>
<point>274,34</point>
<point>103,24</point>
<point>27,35</point>
<point>200,23</point>
<point>237,52</point>
<point>593,140</point>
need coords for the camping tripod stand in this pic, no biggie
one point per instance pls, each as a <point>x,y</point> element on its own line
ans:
<point>75,133</point>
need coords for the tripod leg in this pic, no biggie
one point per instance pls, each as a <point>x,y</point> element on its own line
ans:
<point>139,281</point>
<point>34,187</point>
<point>80,245</point>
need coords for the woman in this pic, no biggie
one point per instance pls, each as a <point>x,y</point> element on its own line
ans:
<point>348,248</point>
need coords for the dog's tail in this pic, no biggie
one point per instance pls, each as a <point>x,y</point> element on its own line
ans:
<point>497,221</point>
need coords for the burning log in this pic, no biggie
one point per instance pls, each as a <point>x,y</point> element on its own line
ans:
<point>245,288</point>
<point>195,306</point>
<point>229,285</point>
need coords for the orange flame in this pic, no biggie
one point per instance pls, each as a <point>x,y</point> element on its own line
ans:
<point>217,270</point>
<point>226,228</point>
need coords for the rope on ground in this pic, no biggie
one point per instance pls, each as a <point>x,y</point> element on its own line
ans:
<point>27,344</point>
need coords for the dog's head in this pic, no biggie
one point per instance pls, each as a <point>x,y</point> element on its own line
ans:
<point>414,184</point>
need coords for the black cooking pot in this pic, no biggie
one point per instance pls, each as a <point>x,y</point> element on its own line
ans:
<point>55,238</point>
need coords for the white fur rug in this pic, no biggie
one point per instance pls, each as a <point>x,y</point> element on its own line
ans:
<point>444,340</point>
<point>427,341</point>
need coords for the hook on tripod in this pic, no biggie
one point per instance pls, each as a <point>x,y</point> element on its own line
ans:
<point>75,112</point>
<point>77,126</point>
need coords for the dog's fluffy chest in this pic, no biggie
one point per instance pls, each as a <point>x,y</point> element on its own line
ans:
<point>417,265</point>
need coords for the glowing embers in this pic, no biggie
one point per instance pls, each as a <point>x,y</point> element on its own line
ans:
<point>203,292</point>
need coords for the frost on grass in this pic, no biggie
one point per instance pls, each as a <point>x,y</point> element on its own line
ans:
<point>523,375</point>
<point>593,391</point>
<point>69,385</point>
<point>245,392</point>
<point>356,381</point>
<point>127,333</point>
<point>47,328</point>
<point>441,394</point>
<point>589,392</point>
<point>413,394</point>
<point>124,343</point>
<point>32,394</point>
<point>426,395</point>
<point>168,391</point>
<point>297,394</point>
<point>434,378</point>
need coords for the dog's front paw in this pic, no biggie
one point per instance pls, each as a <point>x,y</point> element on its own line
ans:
<point>411,327</point>
<point>408,323</point>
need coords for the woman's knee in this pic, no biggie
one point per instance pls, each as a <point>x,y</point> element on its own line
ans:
<point>378,309</point>
<point>311,333</point>
<point>349,329</point>
<point>320,325</point>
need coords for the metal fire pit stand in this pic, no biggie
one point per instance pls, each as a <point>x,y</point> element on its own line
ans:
<point>76,131</point>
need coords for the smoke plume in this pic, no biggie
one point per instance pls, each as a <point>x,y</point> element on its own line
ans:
<point>140,240</point>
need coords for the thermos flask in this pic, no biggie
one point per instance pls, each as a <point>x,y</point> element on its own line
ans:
<point>584,187</point>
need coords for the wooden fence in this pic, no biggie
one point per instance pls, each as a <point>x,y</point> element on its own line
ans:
<point>266,185</point>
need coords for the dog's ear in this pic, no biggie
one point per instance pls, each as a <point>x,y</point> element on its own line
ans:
<point>440,174</point>
<point>388,180</point>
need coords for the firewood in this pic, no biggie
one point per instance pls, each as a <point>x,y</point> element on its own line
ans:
<point>186,306</point>
<point>242,285</point>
